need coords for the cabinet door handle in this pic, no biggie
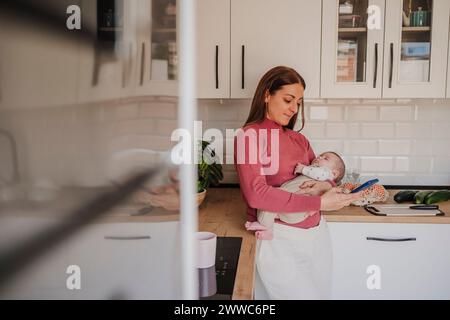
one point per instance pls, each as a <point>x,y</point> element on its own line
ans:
<point>243,67</point>
<point>217,67</point>
<point>127,238</point>
<point>390,239</point>
<point>392,64</point>
<point>127,66</point>
<point>142,63</point>
<point>375,75</point>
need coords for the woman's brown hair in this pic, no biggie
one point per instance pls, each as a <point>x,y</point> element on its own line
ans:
<point>271,82</point>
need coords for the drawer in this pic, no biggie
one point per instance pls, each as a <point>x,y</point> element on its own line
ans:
<point>413,260</point>
<point>127,260</point>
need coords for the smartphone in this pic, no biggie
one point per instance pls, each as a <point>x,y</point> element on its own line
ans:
<point>365,185</point>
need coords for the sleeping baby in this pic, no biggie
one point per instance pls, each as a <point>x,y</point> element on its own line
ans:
<point>327,166</point>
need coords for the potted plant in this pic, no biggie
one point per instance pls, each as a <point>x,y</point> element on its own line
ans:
<point>209,170</point>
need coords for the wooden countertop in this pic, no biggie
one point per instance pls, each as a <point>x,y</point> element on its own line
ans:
<point>358,214</point>
<point>223,213</point>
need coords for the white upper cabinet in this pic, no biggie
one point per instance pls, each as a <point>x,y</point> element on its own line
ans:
<point>384,49</point>
<point>38,59</point>
<point>352,52</point>
<point>213,49</point>
<point>108,67</point>
<point>157,48</point>
<point>416,54</point>
<point>263,34</point>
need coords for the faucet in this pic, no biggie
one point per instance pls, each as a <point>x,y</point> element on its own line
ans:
<point>14,157</point>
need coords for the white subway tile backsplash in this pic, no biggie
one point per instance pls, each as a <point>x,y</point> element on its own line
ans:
<point>421,164</point>
<point>441,164</point>
<point>395,147</point>
<point>376,164</point>
<point>440,147</point>
<point>397,113</point>
<point>224,111</point>
<point>318,113</point>
<point>336,130</point>
<point>320,146</point>
<point>377,130</point>
<point>360,147</point>
<point>165,127</point>
<point>422,147</point>
<point>413,130</point>
<point>342,130</point>
<point>140,141</point>
<point>222,126</point>
<point>139,126</point>
<point>381,138</point>
<point>202,111</point>
<point>165,110</point>
<point>441,130</point>
<point>127,112</point>
<point>435,113</point>
<point>401,164</point>
<point>314,130</point>
<point>394,179</point>
<point>324,113</point>
<point>361,113</point>
<point>431,179</point>
<point>351,163</point>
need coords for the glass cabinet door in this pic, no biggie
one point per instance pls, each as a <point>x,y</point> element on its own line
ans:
<point>157,48</point>
<point>352,48</point>
<point>164,63</point>
<point>415,48</point>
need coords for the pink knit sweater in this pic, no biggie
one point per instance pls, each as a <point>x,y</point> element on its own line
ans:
<point>259,190</point>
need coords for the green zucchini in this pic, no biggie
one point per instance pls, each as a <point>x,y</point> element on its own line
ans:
<point>421,196</point>
<point>437,196</point>
<point>404,196</point>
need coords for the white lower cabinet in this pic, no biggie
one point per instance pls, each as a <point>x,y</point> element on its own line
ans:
<point>46,277</point>
<point>127,261</point>
<point>390,261</point>
<point>115,260</point>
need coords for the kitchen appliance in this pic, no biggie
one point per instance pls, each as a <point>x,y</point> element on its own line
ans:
<point>227,258</point>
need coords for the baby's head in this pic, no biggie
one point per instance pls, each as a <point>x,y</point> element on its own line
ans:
<point>332,161</point>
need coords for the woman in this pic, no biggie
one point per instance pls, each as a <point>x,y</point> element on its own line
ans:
<point>296,264</point>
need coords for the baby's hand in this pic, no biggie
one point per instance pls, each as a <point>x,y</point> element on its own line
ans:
<point>299,168</point>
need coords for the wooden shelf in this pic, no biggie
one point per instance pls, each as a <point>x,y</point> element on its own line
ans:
<point>416,29</point>
<point>353,30</point>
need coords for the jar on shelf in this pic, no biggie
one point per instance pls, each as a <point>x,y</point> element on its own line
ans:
<point>171,8</point>
<point>346,8</point>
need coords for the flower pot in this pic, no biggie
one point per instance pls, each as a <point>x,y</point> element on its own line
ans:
<point>201,197</point>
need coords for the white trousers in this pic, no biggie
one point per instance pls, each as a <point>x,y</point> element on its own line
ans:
<point>296,263</point>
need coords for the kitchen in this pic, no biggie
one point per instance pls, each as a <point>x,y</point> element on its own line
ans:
<point>83,110</point>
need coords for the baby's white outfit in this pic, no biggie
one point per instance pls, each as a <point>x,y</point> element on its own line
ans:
<point>267,218</point>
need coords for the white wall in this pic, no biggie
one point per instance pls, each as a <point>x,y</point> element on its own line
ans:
<point>73,145</point>
<point>401,142</point>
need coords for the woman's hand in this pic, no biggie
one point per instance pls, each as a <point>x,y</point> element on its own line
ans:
<point>335,199</point>
<point>314,188</point>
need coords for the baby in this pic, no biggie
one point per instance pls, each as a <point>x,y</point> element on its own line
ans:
<point>328,166</point>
